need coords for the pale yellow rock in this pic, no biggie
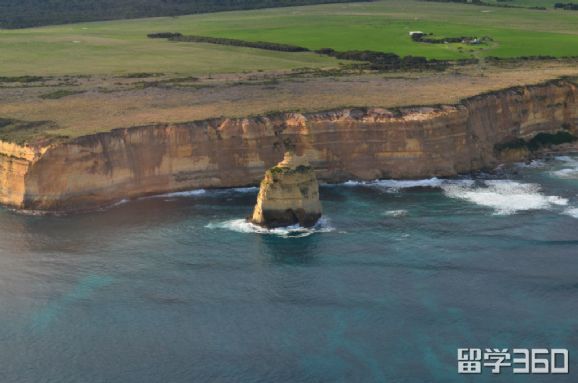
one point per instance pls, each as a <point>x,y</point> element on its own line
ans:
<point>289,195</point>
<point>407,143</point>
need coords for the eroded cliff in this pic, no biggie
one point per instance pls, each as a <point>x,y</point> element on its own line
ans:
<point>353,143</point>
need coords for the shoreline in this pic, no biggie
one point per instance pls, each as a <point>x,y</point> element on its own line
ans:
<point>354,143</point>
<point>546,155</point>
<point>411,142</point>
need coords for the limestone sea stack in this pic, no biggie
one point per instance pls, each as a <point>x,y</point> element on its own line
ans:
<point>289,195</point>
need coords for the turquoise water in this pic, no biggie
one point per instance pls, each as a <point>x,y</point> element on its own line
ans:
<point>400,274</point>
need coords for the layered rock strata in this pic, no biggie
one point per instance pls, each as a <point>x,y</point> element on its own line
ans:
<point>288,195</point>
<point>354,143</point>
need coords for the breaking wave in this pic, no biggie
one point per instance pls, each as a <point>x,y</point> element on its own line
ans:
<point>396,213</point>
<point>295,231</point>
<point>534,164</point>
<point>251,189</point>
<point>199,192</point>
<point>572,212</point>
<point>566,159</point>
<point>570,168</point>
<point>504,196</point>
<point>395,185</point>
<point>187,193</point>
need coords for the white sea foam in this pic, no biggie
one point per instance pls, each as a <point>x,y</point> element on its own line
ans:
<point>566,173</point>
<point>251,189</point>
<point>117,203</point>
<point>569,170</point>
<point>295,231</point>
<point>187,193</point>
<point>199,192</point>
<point>395,185</point>
<point>396,213</point>
<point>399,184</point>
<point>572,212</point>
<point>534,164</point>
<point>505,196</point>
<point>565,159</point>
<point>405,184</point>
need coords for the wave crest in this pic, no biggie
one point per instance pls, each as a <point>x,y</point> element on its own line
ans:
<point>395,185</point>
<point>396,213</point>
<point>186,193</point>
<point>570,168</point>
<point>504,196</point>
<point>208,192</point>
<point>295,231</point>
<point>572,212</point>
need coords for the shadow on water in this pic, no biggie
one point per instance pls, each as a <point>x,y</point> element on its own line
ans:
<point>290,251</point>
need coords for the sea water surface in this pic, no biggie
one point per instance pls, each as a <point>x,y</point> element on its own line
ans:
<point>398,275</point>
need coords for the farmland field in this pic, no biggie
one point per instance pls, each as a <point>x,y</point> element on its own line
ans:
<point>115,47</point>
<point>528,3</point>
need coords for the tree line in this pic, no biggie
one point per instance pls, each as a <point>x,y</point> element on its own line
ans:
<point>225,41</point>
<point>500,3</point>
<point>567,6</point>
<point>367,59</point>
<point>386,61</point>
<point>30,13</point>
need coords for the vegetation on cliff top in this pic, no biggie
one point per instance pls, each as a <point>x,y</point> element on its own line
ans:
<point>176,100</point>
<point>60,94</point>
<point>20,132</point>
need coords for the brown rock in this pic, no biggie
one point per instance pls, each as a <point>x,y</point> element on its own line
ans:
<point>289,195</point>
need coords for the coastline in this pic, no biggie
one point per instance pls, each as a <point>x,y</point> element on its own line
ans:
<point>411,142</point>
<point>546,154</point>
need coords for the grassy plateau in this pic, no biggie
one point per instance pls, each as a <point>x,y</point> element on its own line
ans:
<point>64,81</point>
<point>117,47</point>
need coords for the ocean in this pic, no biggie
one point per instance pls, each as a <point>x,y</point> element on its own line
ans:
<point>396,277</point>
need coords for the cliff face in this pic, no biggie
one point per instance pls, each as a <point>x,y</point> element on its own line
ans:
<point>289,195</point>
<point>413,142</point>
<point>15,162</point>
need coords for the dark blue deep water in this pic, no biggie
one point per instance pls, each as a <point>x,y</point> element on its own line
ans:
<point>401,274</point>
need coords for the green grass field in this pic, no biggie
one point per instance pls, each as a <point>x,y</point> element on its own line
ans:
<point>122,47</point>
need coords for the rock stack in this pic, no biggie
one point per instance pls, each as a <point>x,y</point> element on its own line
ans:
<point>289,195</point>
